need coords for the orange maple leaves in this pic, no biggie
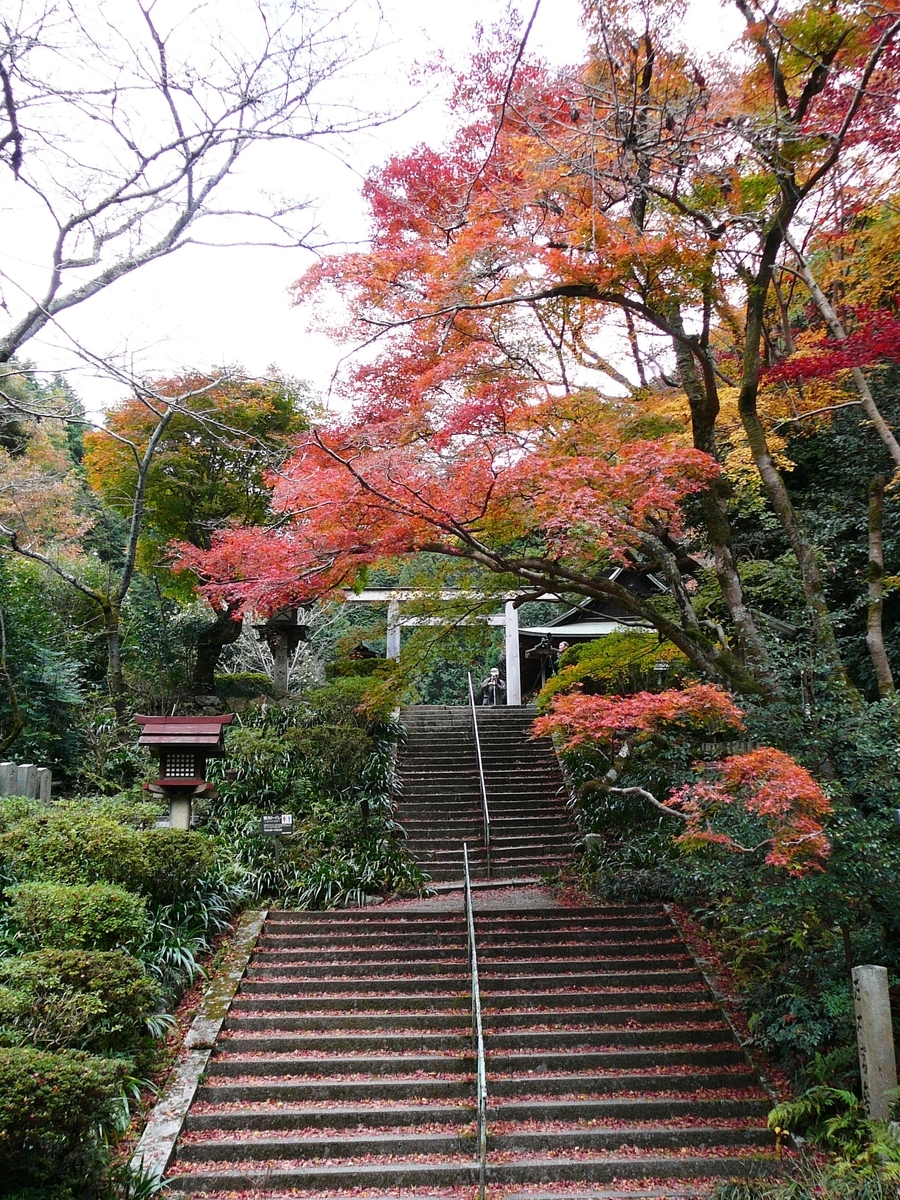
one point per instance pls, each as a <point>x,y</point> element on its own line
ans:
<point>466,477</point>
<point>769,785</point>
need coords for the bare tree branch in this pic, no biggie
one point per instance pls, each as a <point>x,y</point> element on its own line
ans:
<point>134,129</point>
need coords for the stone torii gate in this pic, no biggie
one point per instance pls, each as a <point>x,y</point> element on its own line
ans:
<point>393,597</point>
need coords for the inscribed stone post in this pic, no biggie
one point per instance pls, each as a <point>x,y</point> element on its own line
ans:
<point>877,1062</point>
<point>26,782</point>
<point>44,784</point>
<point>8,778</point>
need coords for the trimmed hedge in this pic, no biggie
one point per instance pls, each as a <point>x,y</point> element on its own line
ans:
<point>72,847</point>
<point>76,999</point>
<point>51,1107</point>
<point>77,848</point>
<point>244,685</point>
<point>173,862</point>
<point>94,916</point>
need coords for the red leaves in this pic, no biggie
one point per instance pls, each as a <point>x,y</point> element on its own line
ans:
<point>466,476</point>
<point>773,787</point>
<point>770,786</point>
<point>877,339</point>
<point>701,706</point>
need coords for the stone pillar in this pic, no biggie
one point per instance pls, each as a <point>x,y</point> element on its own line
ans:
<point>8,777</point>
<point>179,811</point>
<point>281,660</point>
<point>877,1063</point>
<point>44,784</point>
<point>393,629</point>
<point>513,665</point>
<point>26,780</point>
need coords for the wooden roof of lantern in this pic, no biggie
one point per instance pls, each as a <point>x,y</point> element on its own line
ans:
<point>203,733</point>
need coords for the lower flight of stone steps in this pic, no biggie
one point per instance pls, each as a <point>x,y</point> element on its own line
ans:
<point>345,1063</point>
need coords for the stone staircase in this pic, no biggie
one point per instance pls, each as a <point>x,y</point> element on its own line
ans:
<point>440,803</point>
<point>345,1064</point>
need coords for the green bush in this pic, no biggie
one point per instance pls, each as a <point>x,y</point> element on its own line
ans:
<point>76,999</point>
<point>72,846</point>
<point>617,663</point>
<point>334,757</point>
<point>172,862</point>
<point>52,1107</point>
<point>244,685</point>
<point>14,809</point>
<point>363,668</point>
<point>68,846</point>
<point>95,916</point>
<point>133,808</point>
<point>351,700</point>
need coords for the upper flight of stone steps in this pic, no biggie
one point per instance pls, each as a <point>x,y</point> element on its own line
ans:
<point>440,801</point>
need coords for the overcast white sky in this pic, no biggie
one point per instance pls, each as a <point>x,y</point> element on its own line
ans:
<point>206,307</point>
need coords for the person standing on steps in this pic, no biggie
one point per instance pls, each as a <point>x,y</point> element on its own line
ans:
<point>492,687</point>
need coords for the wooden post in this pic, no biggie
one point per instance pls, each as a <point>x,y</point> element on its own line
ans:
<point>874,1033</point>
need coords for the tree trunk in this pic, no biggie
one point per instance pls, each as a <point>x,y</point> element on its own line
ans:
<point>874,630</point>
<point>704,410</point>
<point>224,631</point>
<point>779,498</point>
<point>16,724</point>
<point>115,675</point>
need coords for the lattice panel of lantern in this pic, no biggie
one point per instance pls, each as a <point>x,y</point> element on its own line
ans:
<point>180,764</point>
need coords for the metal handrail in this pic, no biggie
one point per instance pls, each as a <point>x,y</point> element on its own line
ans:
<point>484,800</point>
<point>477,1030</point>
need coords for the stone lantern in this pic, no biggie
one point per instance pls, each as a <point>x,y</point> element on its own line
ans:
<point>282,635</point>
<point>182,744</point>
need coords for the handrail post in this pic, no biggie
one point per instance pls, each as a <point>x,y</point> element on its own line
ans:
<point>484,800</point>
<point>477,1029</point>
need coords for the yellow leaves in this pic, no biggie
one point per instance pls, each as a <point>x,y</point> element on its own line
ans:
<point>38,494</point>
<point>869,278</point>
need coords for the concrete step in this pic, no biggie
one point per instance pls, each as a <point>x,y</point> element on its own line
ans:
<point>280,1040</point>
<point>644,1082</point>
<point>266,1090</point>
<point>338,1116</point>
<point>267,1066</point>
<point>278,1018</point>
<point>529,1169</point>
